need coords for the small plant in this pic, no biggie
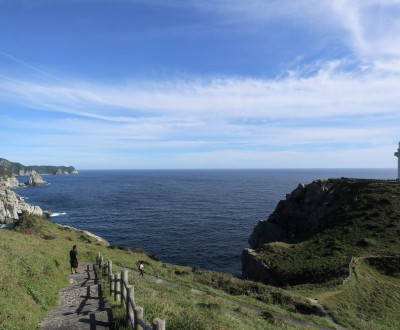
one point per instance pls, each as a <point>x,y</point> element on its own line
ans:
<point>38,297</point>
<point>48,237</point>
<point>85,238</point>
<point>154,257</point>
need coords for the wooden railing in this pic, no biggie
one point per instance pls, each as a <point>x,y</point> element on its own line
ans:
<point>122,292</point>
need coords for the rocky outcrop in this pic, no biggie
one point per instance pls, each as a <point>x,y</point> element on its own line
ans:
<point>303,210</point>
<point>12,205</point>
<point>255,268</point>
<point>8,182</point>
<point>35,180</point>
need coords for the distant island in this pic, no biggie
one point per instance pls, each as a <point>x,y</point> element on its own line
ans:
<point>22,170</point>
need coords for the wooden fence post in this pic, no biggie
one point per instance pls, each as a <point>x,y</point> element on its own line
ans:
<point>98,257</point>
<point>158,324</point>
<point>110,267</point>
<point>103,269</point>
<point>112,284</point>
<point>124,285</point>
<point>138,317</point>
<point>129,308</point>
<point>117,287</point>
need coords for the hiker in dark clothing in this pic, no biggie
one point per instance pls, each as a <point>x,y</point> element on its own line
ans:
<point>73,256</point>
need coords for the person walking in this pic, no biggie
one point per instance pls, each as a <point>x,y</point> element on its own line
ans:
<point>141,269</point>
<point>73,256</point>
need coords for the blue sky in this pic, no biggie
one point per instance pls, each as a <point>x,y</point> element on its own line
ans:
<point>200,84</point>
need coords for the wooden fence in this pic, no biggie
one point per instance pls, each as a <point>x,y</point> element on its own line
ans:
<point>122,292</point>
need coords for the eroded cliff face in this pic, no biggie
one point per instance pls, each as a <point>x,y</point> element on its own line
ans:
<point>11,204</point>
<point>256,269</point>
<point>306,208</point>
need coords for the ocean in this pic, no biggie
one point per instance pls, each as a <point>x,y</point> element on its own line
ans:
<point>188,217</point>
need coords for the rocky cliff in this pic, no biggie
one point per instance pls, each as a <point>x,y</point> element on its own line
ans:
<point>11,204</point>
<point>314,232</point>
<point>304,210</point>
<point>22,170</point>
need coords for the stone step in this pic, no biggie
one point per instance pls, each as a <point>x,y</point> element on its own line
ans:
<point>81,309</point>
<point>81,304</point>
<point>76,283</point>
<point>100,320</point>
<point>76,295</point>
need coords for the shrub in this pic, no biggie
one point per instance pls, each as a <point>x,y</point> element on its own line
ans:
<point>28,224</point>
<point>154,257</point>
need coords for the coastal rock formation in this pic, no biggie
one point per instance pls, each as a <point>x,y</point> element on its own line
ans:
<point>255,268</point>
<point>305,209</point>
<point>8,182</point>
<point>11,204</point>
<point>35,180</point>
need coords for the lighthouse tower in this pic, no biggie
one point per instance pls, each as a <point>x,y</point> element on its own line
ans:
<point>397,154</point>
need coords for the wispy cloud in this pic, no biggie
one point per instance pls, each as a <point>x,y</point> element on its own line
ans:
<point>328,93</point>
<point>330,107</point>
<point>371,28</point>
<point>332,110</point>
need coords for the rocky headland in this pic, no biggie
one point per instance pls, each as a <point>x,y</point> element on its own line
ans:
<point>313,233</point>
<point>11,204</point>
<point>22,170</point>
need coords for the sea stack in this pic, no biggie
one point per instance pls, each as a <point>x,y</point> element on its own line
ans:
<point>35,180</point>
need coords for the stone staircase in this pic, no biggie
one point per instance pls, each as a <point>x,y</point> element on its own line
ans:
<point>82,305</point>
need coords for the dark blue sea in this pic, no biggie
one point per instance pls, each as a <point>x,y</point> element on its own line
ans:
<point>186,217</point>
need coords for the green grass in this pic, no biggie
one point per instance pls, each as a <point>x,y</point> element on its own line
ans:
<point>370,300</point>
<point>364,223</point>
<point>34,266</point>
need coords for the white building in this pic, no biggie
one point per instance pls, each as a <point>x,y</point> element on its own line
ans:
<point>397,154</point>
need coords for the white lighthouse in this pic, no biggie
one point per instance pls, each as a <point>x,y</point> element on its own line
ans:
<point>397,154</point>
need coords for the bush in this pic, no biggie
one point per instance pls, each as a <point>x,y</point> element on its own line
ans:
<point>28,224</point>
<point>154,257</point>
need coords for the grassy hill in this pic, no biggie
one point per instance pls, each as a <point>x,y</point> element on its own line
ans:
<point>34,266</point>
<point>366,225</point>
<point>366,222</point>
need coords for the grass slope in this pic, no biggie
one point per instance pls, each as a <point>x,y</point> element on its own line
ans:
<point>365,223</point>
<point>34,266</point>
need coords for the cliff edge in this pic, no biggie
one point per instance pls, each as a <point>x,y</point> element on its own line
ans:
<point>311,235</point>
